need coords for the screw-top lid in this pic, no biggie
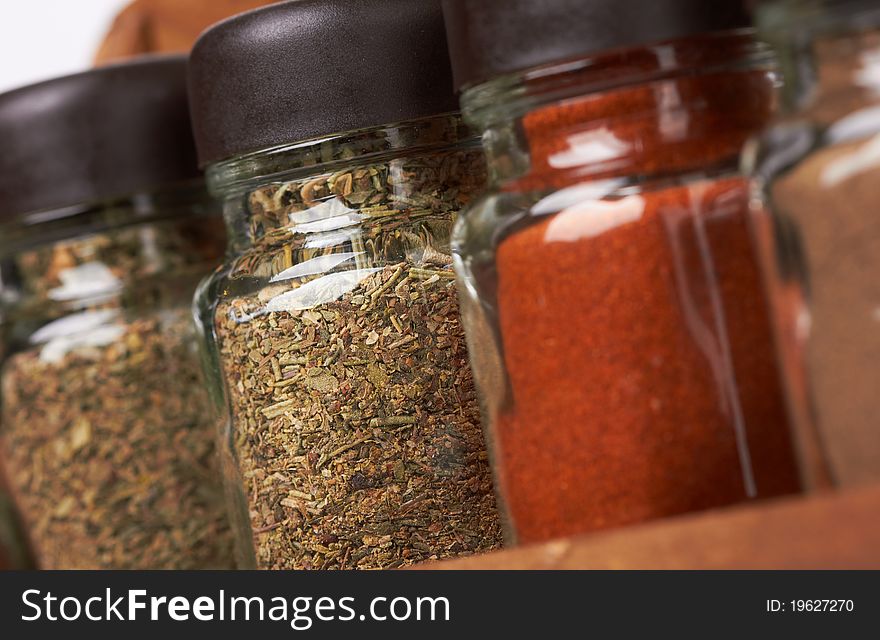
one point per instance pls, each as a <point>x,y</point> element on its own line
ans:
<point>489,38</point>
<point>98,135</point>
<point>309,68</point>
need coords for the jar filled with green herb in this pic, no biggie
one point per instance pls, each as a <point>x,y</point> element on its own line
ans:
<point>105,230</point>
<point>329,130</point>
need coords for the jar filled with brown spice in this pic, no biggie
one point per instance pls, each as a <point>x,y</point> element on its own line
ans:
<point>817,185</point>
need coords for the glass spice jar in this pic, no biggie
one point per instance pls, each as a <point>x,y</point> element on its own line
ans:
<point>612,301</point>
<point>105,230</point>
<point>332,331</point>
<point>817,185</point>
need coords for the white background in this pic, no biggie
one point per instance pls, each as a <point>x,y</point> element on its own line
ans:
<point>41,39</point>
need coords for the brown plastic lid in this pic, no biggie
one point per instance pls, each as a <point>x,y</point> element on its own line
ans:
<point>93,136</point>
<point>309,68</point>
<point>489,38</point>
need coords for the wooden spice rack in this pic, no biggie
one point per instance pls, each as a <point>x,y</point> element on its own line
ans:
<point>838,530</point>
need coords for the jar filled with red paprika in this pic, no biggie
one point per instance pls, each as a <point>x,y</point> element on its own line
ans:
<point>616,322</point>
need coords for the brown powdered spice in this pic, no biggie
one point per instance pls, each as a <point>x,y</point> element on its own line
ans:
<point>840,241</point>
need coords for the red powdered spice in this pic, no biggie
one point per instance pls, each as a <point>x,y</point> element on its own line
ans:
<point>641,370</point>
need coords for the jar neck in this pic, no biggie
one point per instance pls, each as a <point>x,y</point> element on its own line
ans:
<point>98,254</point>
<point>829,53</point>
<point>319,185</point>
<point>668,109</point>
